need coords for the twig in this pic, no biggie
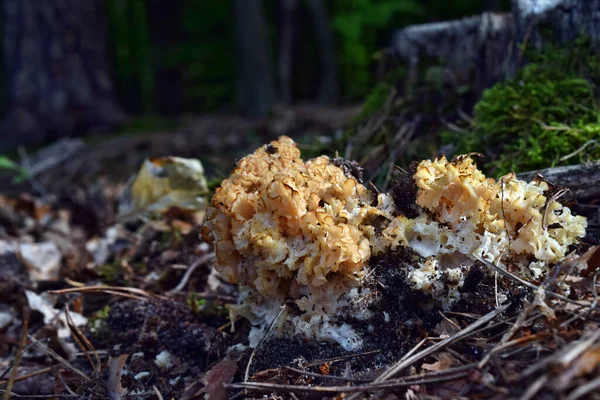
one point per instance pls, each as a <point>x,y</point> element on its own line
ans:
<point>453,370</point>
<point>29,375</point>
<point>509,234</point>
<point>83,342</point>
<point>341,358</point>
<point>109,289</point>
<point>453,127</point>
<point>524,282</point>
<point>37,396</point>
<point>332,377</point>
<point>190,270</point>
<point>507,335</point>
<point>126,295</point>
<point>564,356</point>
<point>113,382</point>
<point>555,197</point>
<point>535,387</point>
<point>251,359</point>
<point>467,118</point>
<point>579,150</point>
<point>336,389</point>
<point>26,165</point>
<point>588,309</point>
<point>58,358</point>
<point>506,345</point>
<point>20,350</point>
<point>157,392</point>
<point>584,389</point>
<point>11,364</point>
<point>394,370</point>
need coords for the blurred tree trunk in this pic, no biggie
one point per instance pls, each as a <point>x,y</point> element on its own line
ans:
<point>328,86</point>
<point>56,71</point>
<point>166,32</point>
<point>286,50</point>
<point>255,93</point>
<point>562,21</point>
<point>492,5</point>
<point>328,83</point>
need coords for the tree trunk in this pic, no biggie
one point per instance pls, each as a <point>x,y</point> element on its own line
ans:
<point>476,49</point>
<point>328,86</point>
<point>492,5</point>
<point>167,32</point>
<point>583,180</point>
<point>57,80</point>
<point>565,19</point>
<point>286,50</point>
<point>255,79</point>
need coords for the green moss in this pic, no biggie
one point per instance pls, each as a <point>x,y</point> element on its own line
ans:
<point>542,117</point>
<point>357,23</point>
<point>215,182</point>
<point>140,268</point>
<point>97,322</point>
<point>196,304</point>
<point>374,101</point>
<point>110,272</point>
<point>394,114</point>
<point>101,314</point>
<point>205,307</point>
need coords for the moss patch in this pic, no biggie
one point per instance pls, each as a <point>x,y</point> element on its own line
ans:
<point>546,116</point>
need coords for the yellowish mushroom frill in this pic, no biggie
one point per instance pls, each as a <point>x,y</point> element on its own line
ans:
<point>278,222</point>
<point>286,229</point>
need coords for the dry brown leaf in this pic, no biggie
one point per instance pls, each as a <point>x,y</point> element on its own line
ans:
<point>113,383</point>
<point>218,375</point>
<point>444,361</point>
<point>587,363</point>
<point>587,263</point>
<point>540,301</point>
<point>211,384</point>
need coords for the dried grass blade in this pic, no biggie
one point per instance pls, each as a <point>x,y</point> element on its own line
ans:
<point>438,346</point>
<point>20,350</point>
<point>525,283</point>
<point>262,386</point>
<point>86,345</point>
<point>57,357</point>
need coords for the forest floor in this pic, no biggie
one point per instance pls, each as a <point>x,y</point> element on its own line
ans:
<point>95,307</point>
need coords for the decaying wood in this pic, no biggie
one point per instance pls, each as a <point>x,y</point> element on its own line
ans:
<point>566,20</point>
<point>485,49</point>
<point>49,157</point>
<point>583,180</point>
<point>474,48</point>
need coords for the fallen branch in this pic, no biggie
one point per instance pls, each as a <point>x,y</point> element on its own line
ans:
<point>583,180</point>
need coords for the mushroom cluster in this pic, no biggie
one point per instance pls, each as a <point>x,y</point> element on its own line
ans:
<point>278,222</point>
<point>495,220</point>
<point>289,230</point>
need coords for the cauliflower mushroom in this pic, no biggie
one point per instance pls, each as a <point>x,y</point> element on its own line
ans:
<point>285,229</point>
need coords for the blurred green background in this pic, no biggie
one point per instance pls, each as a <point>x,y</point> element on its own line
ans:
<point>200,52</point>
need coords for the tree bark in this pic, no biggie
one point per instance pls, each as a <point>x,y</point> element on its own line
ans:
<point>565,19</point>
<point>255,80</point>
<point>286,50</point>
<point>166,32</point>
<point>583,180</point>
<point>475,49</point>
<point>491,44</point>
<point>57,76</point>
<point>328,86</point>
